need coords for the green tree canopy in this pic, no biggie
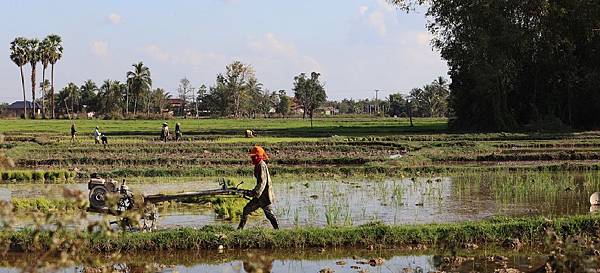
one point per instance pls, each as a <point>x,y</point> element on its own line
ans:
<point>310,93</point>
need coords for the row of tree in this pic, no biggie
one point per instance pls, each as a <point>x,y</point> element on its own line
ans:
<point>110,100</point>
<point>429,101</point>
<point>236,92</point>
<point>516,64</point>
<point>25,51</point>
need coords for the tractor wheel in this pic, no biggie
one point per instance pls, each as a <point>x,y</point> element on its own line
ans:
<point>98,197</point>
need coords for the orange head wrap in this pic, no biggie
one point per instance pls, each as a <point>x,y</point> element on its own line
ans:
<point>259,153</point>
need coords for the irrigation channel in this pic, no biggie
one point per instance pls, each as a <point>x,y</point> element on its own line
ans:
<point>336,260</point>
<point>392,201</point>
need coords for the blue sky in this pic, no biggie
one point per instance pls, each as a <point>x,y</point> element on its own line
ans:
<point>357,45</point>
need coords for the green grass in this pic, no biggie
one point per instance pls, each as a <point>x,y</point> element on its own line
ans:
<point>49,176</point>
<point>491,232</point>
<point>267,127</point>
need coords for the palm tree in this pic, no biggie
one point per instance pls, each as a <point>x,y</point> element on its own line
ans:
<point>110,96</point>
<point>18,54</point>
<point>33,56</point>
<point>139,80</point>
<point>88,95</point>
<point>45,54</point>
<point>160,99</point>
<point>45,87</point>
<point>55,50</point>
<point>70,94</point>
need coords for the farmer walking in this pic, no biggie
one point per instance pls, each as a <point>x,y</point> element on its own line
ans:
<point>177,131</point>
<point>97,135</point>
<point>73,132</point>
<point>262,194</point>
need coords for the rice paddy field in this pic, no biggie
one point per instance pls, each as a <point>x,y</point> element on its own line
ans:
<point>352,195</point>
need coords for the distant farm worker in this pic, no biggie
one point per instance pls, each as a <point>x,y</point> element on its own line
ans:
<point>262,194</point>
<point>104,140</point>
<point>177,131</point>
<point>97,135</point>
<point>73,132</point>
<point>249,133</point>
<point>164,133</point>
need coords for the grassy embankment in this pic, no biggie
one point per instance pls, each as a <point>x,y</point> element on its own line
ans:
<point>531,231</point>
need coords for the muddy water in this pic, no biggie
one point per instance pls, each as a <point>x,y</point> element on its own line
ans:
<point>392,201</point>
<point>343,260</point>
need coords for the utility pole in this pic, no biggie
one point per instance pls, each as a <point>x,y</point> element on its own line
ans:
<point>377,101</point>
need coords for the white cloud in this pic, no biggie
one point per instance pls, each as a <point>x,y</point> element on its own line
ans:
<point>363,10</point>
<point>377,15</point>
<point>99,48</point>
<point>157,53</point>
<point>385,5</point>
<point>276,49</point>
<point>377,21</point>
<point>114,18</point>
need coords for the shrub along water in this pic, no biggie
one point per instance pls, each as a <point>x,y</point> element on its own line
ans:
<point>528,230</point>
<point>37,175</point>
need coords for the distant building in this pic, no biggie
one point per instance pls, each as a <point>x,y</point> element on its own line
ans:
<point>328,111</point>
<point>175,103</point>
<point>16,108</point>
<point>296,107</point>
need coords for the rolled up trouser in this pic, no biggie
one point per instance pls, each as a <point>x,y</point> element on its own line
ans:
<point>252,206</point>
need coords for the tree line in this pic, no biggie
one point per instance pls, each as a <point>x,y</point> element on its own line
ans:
<point>235,93</point>
<point>519,64</point>
<point>430,100</point>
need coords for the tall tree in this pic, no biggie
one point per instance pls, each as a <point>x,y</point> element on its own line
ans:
<point>139,81</point>
<point>519,64</point>
<point>200,95</point>
<point>233,92</point>
<point>110,98</point>
<point>185,89</point>
<point>284,104</point>
<point>160,100</point>
<point>55,50</point>
<point>397,105</point>
<point>18,54</point>
<point>45,55</point>
<point>88,96</point>
<point>310,93</point>
<point>70,95</point>
<point>33,56</point>
<point>45,87</point>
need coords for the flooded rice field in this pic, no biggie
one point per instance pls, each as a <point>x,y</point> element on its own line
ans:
<point>455,198</point>
<point>340,261</point>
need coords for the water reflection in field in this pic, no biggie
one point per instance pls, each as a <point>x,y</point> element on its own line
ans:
<point>310,260</point>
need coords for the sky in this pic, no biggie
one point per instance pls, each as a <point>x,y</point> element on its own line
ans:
<point>358,46</point>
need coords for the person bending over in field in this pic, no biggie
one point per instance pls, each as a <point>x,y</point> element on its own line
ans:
<point>97,135</point>
<point>73,132</point>
<point>262,194</point>
<point>104,140</point>
<point>250,133</point>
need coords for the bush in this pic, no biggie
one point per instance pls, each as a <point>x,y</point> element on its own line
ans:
<point>38,175</point>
